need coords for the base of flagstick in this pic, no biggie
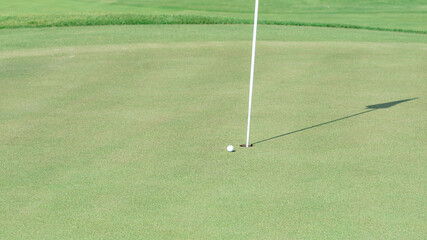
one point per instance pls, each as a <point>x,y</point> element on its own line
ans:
<point>244,145</point>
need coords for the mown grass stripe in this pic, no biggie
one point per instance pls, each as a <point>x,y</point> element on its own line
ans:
<point>38,21</point>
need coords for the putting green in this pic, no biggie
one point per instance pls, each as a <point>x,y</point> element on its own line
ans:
<point>121,133</point>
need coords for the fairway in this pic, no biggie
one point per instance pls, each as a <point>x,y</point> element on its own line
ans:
<point>120,132</point>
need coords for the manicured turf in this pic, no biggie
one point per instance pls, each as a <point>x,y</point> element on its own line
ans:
<point>390,14</point>
<point>120,132</point>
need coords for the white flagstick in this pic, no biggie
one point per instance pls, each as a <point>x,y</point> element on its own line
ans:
<point>251,86</point>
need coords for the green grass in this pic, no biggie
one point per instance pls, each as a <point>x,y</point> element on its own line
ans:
<point>389,14</point>
<point>132,19</point>
<point>119,132</point>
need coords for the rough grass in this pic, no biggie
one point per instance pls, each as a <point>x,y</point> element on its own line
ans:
<point>135,19</point>
<point>119,132</point>
<point>385,14</point>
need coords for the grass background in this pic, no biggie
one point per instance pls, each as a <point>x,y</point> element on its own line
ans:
<point>119,132</point>
<point>132,19</point>
<point>110,137</point>
<point>390,14</point>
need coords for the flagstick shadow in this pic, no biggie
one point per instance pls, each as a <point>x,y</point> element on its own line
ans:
<point>370,108</point>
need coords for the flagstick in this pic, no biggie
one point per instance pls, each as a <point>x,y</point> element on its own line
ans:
<point>251,86</point>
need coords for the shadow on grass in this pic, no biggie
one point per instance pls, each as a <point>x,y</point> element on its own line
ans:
<point>368,109</point>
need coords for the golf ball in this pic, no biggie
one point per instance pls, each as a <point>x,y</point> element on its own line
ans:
<point>230,148</point>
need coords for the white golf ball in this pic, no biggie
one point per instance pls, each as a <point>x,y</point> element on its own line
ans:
<point>230,148</point>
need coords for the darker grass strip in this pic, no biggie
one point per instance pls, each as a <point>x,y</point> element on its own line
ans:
<point>40,21</point>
